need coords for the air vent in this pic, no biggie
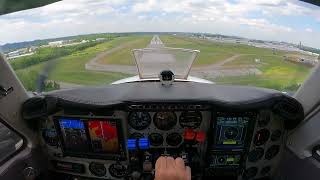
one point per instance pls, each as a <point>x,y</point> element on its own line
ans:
<point>168,107</point>
<point>289,110</point>
<point>286,109</point>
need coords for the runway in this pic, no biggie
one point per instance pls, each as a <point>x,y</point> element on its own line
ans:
<point>212,71</point>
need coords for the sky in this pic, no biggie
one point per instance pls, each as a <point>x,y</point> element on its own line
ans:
<point>279,20</point>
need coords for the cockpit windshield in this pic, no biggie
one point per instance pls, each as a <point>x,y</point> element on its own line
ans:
<point>75,43</point>
<point>151,61</point>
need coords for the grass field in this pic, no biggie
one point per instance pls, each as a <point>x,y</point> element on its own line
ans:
<point>71,68</point>
<point>212,52</point>
<point>276,72</point>
<point>123,55</point>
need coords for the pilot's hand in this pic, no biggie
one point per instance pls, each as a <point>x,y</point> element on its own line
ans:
<point>168,168</point>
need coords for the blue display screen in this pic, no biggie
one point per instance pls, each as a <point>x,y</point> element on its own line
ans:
<point>71,124</point>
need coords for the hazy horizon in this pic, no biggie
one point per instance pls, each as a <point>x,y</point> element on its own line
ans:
<point>271,20</point>
<point>155,33</point>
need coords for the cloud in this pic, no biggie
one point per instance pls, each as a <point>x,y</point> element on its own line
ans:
<point>250,18</point>
<point>309,30</point>
<point>265,25</point>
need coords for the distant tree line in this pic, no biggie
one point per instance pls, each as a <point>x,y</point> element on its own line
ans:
<point>310,49</point>
<point>49,53</point>
<point>14,46</point>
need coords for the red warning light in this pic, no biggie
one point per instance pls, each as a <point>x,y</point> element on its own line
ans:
<point>201,136</point>
<point>189,134</point>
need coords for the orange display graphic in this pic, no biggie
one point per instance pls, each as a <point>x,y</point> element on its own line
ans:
<point>104,136</point>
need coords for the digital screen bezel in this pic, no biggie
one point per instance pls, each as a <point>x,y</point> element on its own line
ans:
<point>121,155</point>
<point>249,128</point>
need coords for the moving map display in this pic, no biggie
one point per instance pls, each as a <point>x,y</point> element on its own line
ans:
<point>104,136</point>
<point>231,130</point>
<point>89,136</point>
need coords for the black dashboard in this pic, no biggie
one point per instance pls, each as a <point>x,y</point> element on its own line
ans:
<point>119,131</point>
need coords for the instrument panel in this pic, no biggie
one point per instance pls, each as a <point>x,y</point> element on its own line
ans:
<point>119,131</point>
<point>126,143</point>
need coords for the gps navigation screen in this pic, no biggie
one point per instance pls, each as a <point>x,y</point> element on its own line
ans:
<point>87,136</point>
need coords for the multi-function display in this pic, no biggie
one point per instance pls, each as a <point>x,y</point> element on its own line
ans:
<point>231,130</point>
<point>89,136</point>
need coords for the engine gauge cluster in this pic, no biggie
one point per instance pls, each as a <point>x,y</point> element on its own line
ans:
<point>265,147</point>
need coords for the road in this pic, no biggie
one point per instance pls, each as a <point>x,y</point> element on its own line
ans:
<point>95,65</point>
<point>212,71</point>
<point>218,69</point>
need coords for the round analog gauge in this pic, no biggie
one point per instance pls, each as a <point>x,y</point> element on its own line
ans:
<point>256,154</point>
<point>139,120</point>
<point>117,170</point>
<point>250,173</point>
<point>97,169</point>
<point>165,120</point>
<point>231,132</point>
<point>264,119</point>
<point>174,139</point>
<point>136,135</point>
<point>221,160</point>
<point>275,136</point>
<point>261,137</point>
<point>190,119</point>
<point>264,171</point>
<point>272,152</point>
<point>156,139</point>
